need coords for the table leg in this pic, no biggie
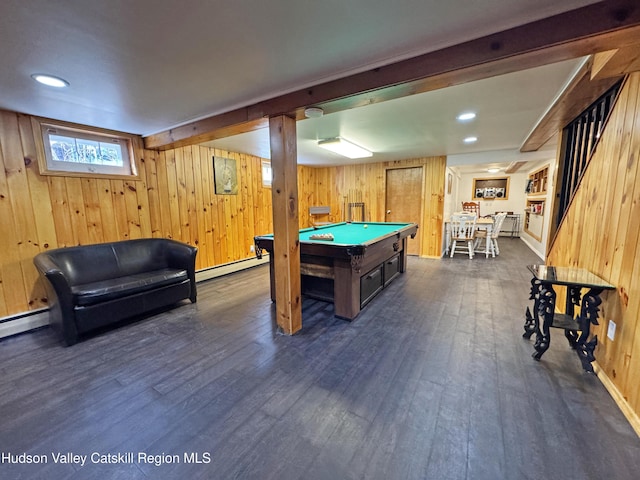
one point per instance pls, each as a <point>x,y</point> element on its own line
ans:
<point>447,238</point>
<point>572,337</point>
<point>546,305</point>
<point>588,315</point>
<point>531,322</point>
<point>488,241</point>
<point>572,300</point>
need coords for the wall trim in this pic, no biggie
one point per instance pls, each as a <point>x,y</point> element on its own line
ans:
<point>26,321</point>
<point>617,396</point>
<point>521,238</point>
<point>531,247</point>
<point>232,267</point>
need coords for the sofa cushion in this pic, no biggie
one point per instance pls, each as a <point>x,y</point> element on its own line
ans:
<point>101,291</point>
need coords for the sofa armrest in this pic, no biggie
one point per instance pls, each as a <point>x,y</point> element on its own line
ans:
<point>183,256</point>
<point>59,296</point>
<point>47,267</point>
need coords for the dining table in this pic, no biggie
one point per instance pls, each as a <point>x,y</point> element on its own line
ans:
<point>482,223</point>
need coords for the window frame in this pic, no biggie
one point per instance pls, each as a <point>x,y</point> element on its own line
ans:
<point>266,183</point>
<point>42,128</point>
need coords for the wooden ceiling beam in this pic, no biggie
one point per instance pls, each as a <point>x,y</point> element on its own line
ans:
<point>217,126</point>
<point>598,27</point>
<point>514,167</point>
<point>616,62</point>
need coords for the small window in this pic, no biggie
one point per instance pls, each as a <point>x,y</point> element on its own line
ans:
<point>67,150</point>
<point>267,174</point>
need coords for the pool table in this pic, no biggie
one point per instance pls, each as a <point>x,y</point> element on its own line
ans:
<point>350,269</point>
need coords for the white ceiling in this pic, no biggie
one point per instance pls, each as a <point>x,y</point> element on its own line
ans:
<point>148,65</point>
<point>507,108</point>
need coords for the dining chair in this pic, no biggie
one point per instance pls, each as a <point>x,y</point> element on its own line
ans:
<point>463,231</point>
<point>498,220</point>
<point>473,207</point>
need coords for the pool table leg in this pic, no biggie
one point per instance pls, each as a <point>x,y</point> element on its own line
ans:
<point>403,256</point>
<point>272,279</point>
<point>346,290</point>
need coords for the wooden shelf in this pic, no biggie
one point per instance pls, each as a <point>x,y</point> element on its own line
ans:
<point>535,206</point>
<point>538,181</point>
<point>533,217</point>
<point>566,322</point>
<point>490,188</point>
<point>536,191</point>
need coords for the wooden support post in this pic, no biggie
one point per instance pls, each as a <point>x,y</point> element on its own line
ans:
<point>286,243</point>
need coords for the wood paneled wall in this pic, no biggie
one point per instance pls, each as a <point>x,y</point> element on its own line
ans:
<point>601,233</point>
<point>333,186</point>
<point>173,198</point>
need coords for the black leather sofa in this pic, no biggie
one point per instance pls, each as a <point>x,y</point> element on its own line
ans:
<point>92,286</point>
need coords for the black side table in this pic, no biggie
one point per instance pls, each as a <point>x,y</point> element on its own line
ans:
<point>576,328</point>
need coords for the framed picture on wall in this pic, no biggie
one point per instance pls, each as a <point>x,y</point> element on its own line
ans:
<point>225,176</point>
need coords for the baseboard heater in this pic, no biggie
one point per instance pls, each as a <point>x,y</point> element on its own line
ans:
<point>26,321</point>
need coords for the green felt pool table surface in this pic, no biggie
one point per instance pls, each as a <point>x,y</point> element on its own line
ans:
<point>352,268</point>
<point>355,233</point>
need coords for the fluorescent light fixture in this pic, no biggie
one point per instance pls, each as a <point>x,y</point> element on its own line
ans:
<point>493,170</point>
<point>313,112</point>
<point>50,80</point>
<point>343,147</point>
<point>470,139</point>
<point>466,116</point>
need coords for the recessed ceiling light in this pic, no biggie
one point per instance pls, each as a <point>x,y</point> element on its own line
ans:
<point>470,139</point>
<point>50,80</point>
<point>343,147</point>
<point>466,116</point>
<point>493,170</point>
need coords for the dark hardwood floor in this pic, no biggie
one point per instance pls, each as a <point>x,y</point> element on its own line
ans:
<point>432,381</point>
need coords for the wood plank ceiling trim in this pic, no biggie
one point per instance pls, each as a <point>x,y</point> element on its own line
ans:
<point>581,92</point>
<point>514,167</point>
<point>598,27</point>
<point>616,62</point>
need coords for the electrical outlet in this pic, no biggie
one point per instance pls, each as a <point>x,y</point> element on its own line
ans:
<point>252,249</point>
<point>611,331</point>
